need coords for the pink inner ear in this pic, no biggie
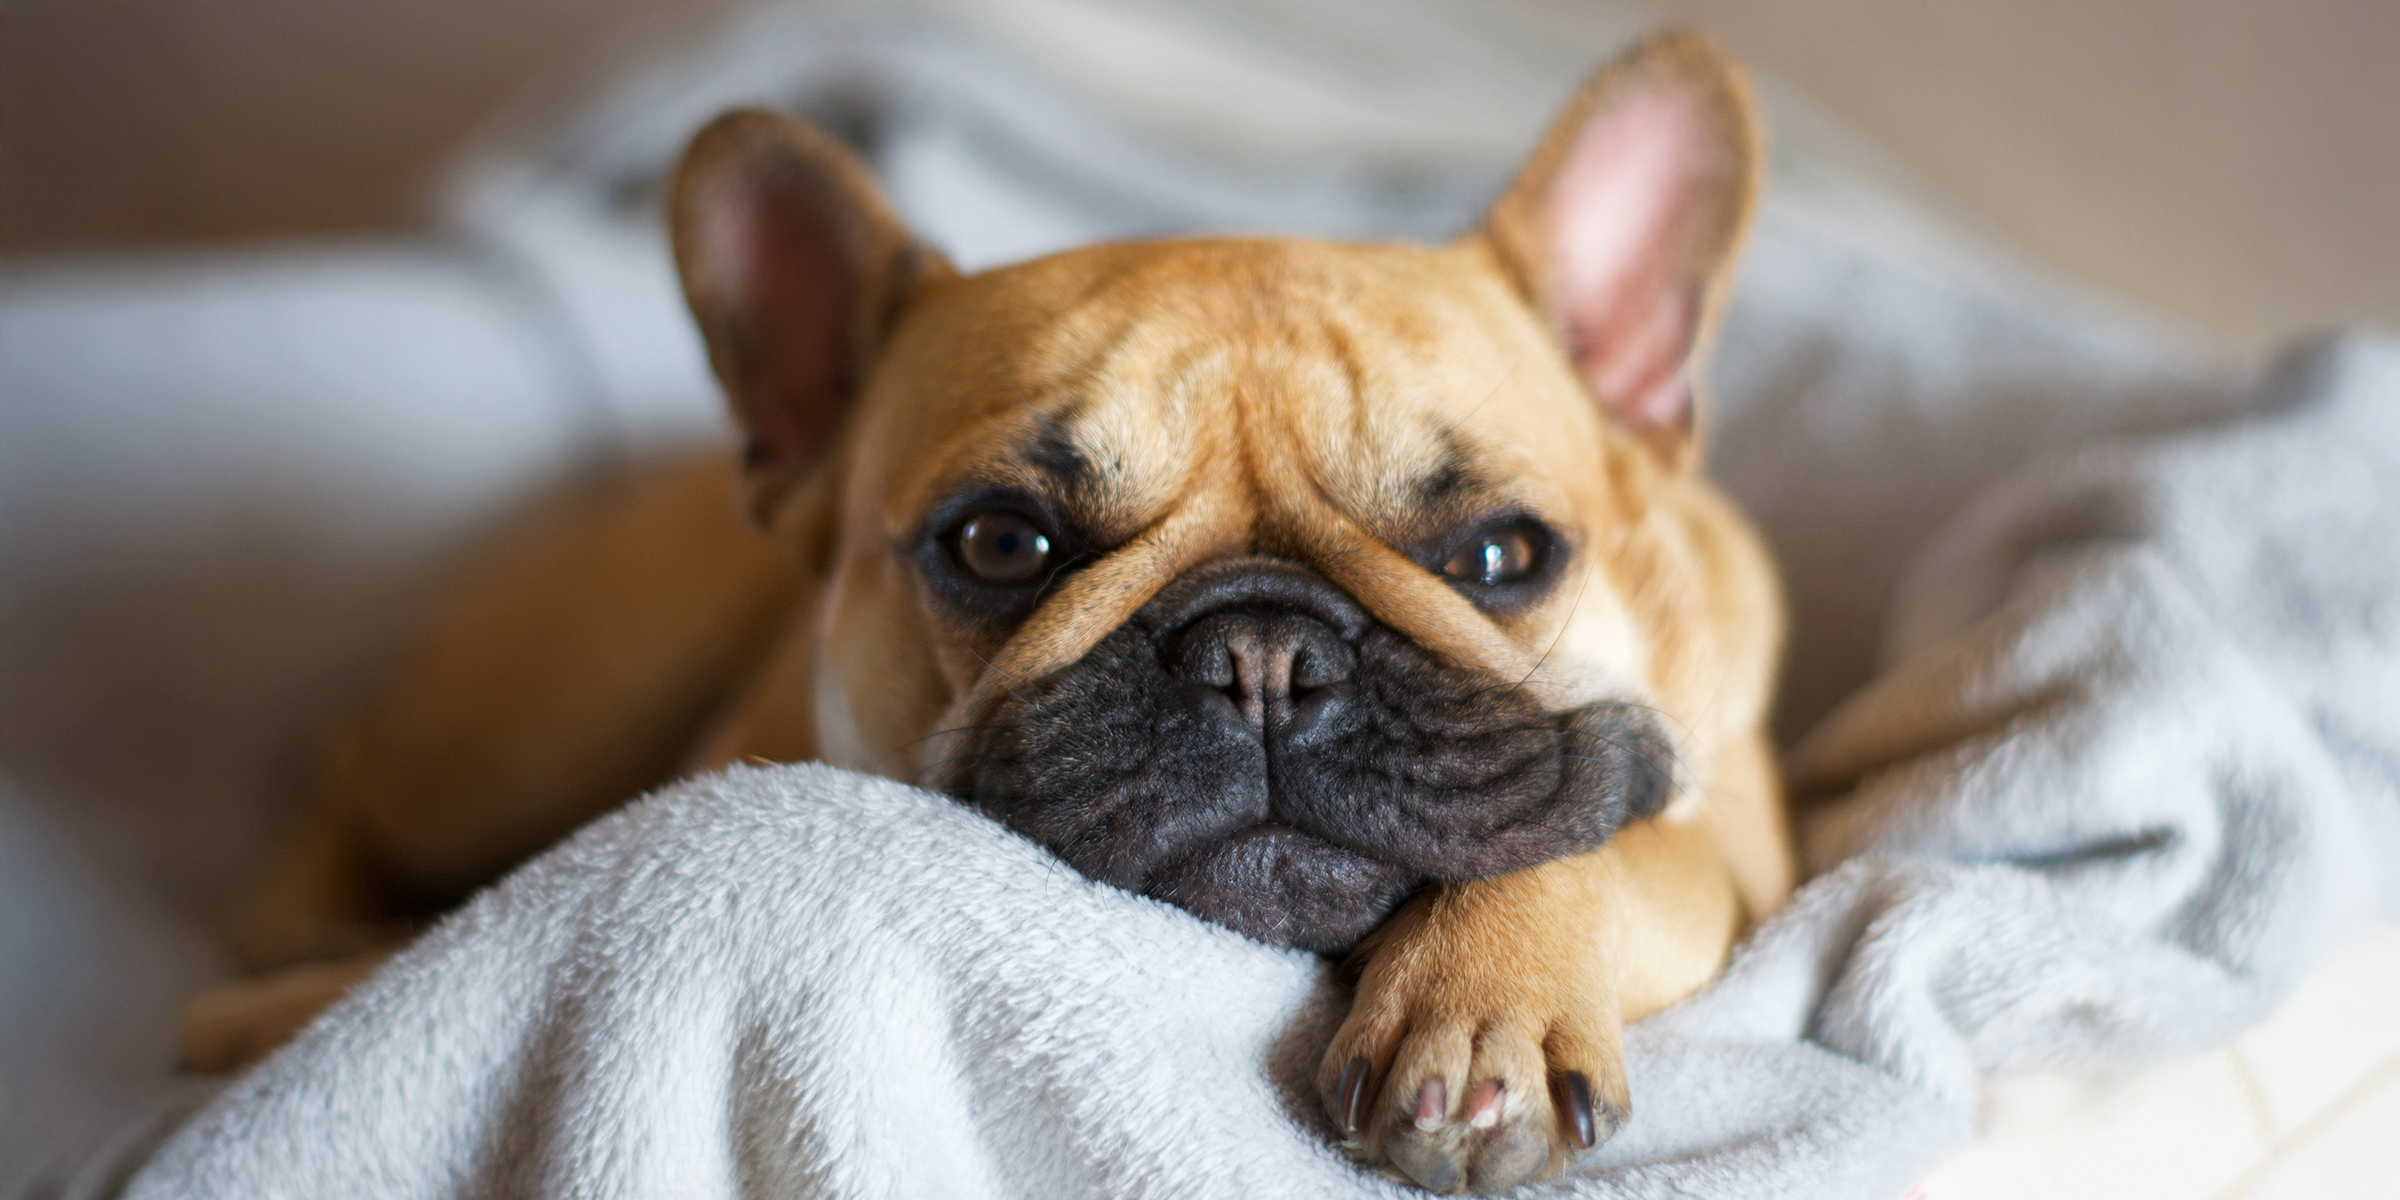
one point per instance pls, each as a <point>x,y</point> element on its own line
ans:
<point>788,287</point>
<point>1625,213</point>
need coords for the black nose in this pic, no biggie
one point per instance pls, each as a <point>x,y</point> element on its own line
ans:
<point>1263,640</point>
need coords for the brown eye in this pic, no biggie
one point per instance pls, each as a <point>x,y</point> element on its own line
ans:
<point>1002,547</point>
<point>1503,556</point>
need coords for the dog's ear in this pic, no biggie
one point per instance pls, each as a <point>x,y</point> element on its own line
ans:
<point>1622,229</point>
<point>796,268</point>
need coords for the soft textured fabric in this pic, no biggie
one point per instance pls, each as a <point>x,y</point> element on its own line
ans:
<point>2134,766</point>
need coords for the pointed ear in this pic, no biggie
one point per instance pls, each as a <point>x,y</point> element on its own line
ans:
<point>1623,228</point>
<point>796,268</point>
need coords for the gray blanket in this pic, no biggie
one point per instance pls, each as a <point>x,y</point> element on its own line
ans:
<point>2095,706</point>
<point>2135,765</point>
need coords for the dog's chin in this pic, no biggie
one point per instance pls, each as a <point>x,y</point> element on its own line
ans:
<point>1279,885</point>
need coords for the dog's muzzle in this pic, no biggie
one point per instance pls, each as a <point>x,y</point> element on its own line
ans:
<point>1256,748</point>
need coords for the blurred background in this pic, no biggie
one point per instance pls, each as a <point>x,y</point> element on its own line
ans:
<point>2230,165</point>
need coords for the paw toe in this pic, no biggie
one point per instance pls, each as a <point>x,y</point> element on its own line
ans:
<point>1471,1108</point>
<point>1511,1156</point>
<point>1426,1159</point>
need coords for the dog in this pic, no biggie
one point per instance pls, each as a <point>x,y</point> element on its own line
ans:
<point>1362,598</point>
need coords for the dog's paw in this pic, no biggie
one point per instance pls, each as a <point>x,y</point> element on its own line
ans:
<point>1473,1081</point>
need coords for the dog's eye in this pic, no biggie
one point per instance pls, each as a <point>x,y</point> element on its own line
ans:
<point>1501,556</point>
<point>1002,547</point>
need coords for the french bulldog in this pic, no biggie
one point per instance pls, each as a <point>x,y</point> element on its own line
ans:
<point>1361,598</point>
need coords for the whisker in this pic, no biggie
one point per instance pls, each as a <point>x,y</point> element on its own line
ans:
<point>1505,376</point>
<point>1561,635</point>
<point>886,755</point>
<point>1013,680</point>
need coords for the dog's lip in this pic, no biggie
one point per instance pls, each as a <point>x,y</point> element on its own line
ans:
<point>1290,838</point>
<point>1217,848</point>
<point>1270,881</point>
<point>1269,829</point>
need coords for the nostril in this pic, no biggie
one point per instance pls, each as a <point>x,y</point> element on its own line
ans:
<point>1318,666</point>
<point>1204,660</point>
<point>1313,712</point>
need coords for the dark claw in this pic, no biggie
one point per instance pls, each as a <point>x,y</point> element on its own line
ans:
<point>1352,1096</point>
<point>1579,1111</point>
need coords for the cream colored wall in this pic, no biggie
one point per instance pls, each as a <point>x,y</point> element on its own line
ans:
<point>2233,164</point>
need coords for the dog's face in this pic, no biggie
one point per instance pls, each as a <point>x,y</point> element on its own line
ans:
<point>1272,578</point>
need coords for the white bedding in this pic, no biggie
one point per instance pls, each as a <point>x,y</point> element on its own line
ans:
<point>2127,778</point>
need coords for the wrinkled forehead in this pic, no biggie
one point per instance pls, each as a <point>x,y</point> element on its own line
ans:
<point>1397,385</point>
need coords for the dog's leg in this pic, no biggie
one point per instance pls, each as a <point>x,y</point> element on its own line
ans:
<point>1746,814</point>
<point>320,899</point>
<point>1485,1045</point>
<point>567,677</point>
<point>235,1024</point>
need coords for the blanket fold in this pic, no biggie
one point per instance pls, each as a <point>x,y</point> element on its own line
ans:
<point>2131,768</point>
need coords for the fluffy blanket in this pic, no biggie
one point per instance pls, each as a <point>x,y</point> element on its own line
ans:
<point>2094,690</point>
<point>2135,765</point>
<point>2134,769</point>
